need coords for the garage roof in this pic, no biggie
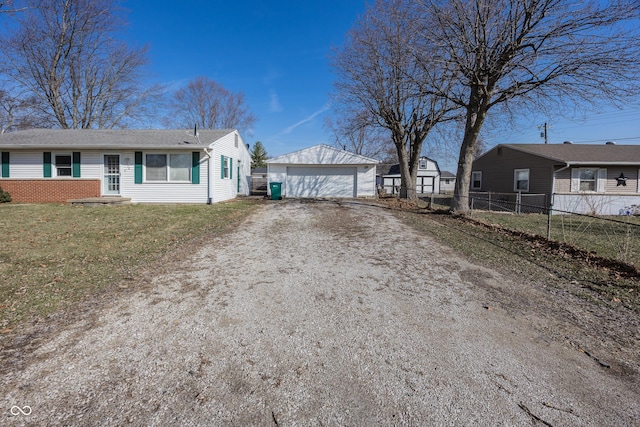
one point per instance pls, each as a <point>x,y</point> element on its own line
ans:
<point>322,154</point>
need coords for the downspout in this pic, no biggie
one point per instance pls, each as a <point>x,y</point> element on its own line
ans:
<point>553,179</point>
<point>208,157</point>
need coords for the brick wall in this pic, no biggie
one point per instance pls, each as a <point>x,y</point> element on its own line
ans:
<point>50,190</point>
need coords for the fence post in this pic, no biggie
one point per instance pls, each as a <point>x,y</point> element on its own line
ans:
<point>550,210</point>
<point>489,201</point>
<point>518,201</point>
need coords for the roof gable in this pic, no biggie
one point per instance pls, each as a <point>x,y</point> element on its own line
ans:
<point>110,138</point>
<point>322,154</point>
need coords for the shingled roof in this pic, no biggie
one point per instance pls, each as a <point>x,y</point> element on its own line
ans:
<point>582,153</point>
<point>108,138</point>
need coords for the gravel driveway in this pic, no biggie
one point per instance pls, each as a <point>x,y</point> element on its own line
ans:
<point>314,314</point>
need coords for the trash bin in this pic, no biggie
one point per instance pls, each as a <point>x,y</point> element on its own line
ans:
<point>276,190</point>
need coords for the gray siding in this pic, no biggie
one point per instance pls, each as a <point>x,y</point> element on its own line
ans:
<point>498,166</point>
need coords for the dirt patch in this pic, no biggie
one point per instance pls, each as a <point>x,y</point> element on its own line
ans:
<point>325,314</point>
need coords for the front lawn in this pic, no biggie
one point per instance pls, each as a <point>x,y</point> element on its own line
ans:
<point>55,255</point>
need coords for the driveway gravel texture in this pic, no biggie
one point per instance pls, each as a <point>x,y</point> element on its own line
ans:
<point>322,314</point>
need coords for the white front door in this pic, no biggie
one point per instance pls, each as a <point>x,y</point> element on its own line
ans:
<point>111,181</point>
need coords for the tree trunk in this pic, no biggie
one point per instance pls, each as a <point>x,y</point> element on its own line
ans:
<point>476,113</point>
<point>408,168</point>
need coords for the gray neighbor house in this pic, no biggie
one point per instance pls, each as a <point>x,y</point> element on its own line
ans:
<point>600,179</point>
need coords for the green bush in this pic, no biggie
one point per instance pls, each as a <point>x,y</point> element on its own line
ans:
<point>4,196</point>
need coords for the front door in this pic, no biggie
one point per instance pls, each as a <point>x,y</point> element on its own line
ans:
<point>111,180</point>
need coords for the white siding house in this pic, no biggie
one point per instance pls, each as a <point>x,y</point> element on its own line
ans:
<point>323,171</point>
<point>145,166</point>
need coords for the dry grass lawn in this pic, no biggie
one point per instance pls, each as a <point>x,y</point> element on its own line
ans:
<point>55,255</point>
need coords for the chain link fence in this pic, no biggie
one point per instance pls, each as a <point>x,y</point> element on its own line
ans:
<point>613,237</point>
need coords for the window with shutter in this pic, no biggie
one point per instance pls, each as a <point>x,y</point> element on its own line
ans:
<point>5,164</point>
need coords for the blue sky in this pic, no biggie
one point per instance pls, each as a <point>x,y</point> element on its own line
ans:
<point>276,52</point>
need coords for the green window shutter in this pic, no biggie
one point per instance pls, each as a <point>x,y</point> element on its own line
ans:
<point>195,167</point>
<point>137,169</point>
<point>230,168</point>
<point>238,179</point>
<point>46,164</point>
<point>221,167</point>
<point>5,164</point>
<point>75,167</point>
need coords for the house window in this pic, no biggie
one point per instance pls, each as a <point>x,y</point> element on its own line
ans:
<point>476,180</point>
<point>168,167</point>
<point>63,164</point>
<point>588,180</point>
<point>423,164</point>
<point>180,167</point>
<point>225,167</point>
<point>236,139</point>
<point>521,180</point>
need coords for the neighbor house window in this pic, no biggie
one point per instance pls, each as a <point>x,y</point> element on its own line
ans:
<point>168,167</point>
<point>63,164</point>
<point>476,180</point>
<point>225,167</point>
<point>588,180</point>
<point>423,164</point>
<point>521,180</point>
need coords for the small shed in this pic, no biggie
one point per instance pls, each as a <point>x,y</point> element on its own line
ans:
<point>427,179</point>
<point>323,171</point>
<point>447,182</point>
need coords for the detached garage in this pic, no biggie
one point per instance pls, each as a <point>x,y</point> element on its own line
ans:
<point>323,171</point>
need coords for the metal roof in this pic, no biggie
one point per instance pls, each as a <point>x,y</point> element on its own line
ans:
<point>109,138</point>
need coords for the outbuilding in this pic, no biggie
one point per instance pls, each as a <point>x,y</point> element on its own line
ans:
<point>427,178</point>
<point>323,171</point>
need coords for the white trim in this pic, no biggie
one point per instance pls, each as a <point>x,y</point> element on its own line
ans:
<point>54,164</point>
<point>103,174</point>
<point>474,180</point>
<point>515,180</point>
<point>168,179</point>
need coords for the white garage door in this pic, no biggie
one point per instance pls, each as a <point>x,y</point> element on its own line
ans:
<point>321,182</point>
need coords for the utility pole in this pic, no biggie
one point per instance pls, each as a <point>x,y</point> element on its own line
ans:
<point>543,133</point>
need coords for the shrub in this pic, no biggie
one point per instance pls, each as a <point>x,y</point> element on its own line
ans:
<point>4,196</point>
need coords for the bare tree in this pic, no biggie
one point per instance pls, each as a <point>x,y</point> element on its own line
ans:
<point>530,54</point>
<point>206,103</point>
<point>8,6</point>
<point>66,54</point>
<point>357,131</point>
<point>378,72</point>
<point>18,112</point>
